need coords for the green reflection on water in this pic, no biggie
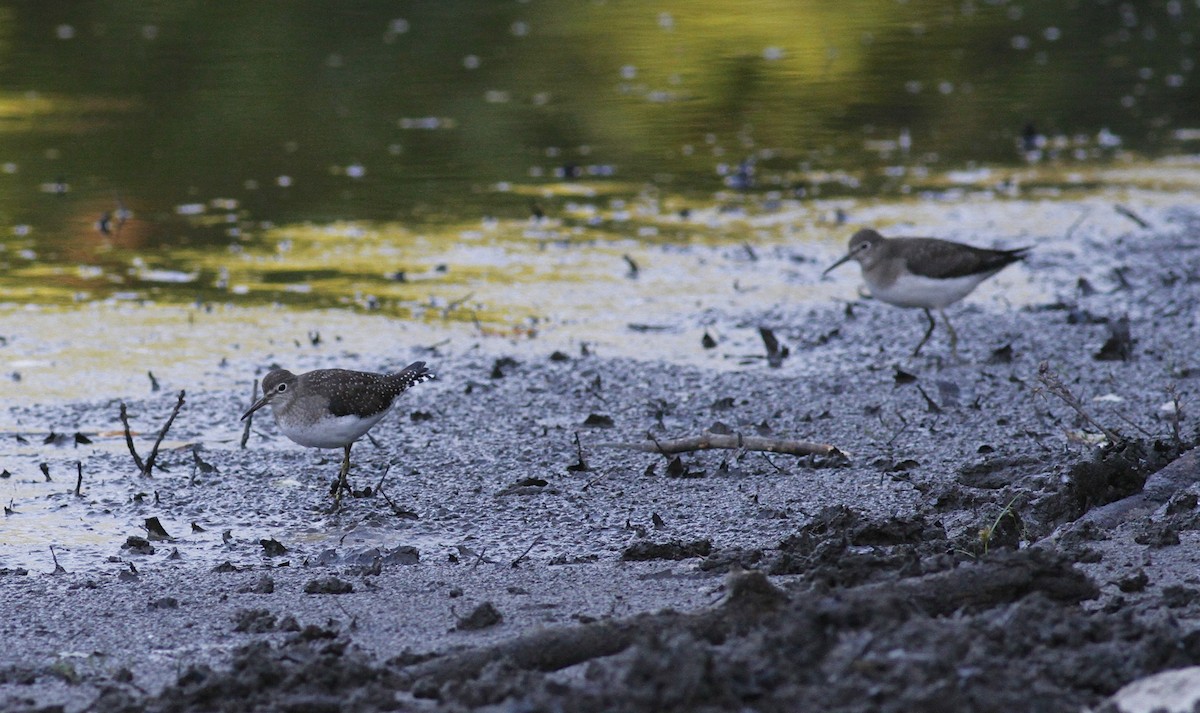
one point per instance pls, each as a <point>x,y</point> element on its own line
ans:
<point>230,128</point>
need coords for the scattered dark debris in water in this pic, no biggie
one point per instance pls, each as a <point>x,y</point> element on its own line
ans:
<point>901,377</point>
<point>1002,355</point>
<point>272,547</point>
<point>154,386</point>
<point>722,404</point>
<point>528,486</point>
<point>420,416</point>
<point>165,603</point>
<point>226,566</point>
<point>672,550</point>
<point>138,545</point>
<point>776,352</point>
<point>328,585</point>
<point>707,341</point>
<point>483,616</point>
<point>598,420</point>
<point>558,356</point>
<point>1119,345</point>
<point>54,439</point>
<point>677,468</point>
<point>155,530</point>
<point>501,367</point>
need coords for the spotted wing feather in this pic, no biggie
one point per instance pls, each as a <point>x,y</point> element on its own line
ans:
<point>928,257</point>
<point>362,393</point>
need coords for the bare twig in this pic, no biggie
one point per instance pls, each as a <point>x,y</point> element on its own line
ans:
<point>249,416</point>
<point>1131,215</point>
<point>58,568</point>
<point>930,404</point>
<point>536,541</point>
<point>1078,220</point>
<point>396,509</point>
<point>582,465</point>
<point>1136,427</point>
<point>595,480</point>
<point>137,460</point>
<point>633,267</point>
<point>78,477</point>
<point>708,440</point>
<point>161,435</point>
<point>1053,385</point>
<point>455,304</point>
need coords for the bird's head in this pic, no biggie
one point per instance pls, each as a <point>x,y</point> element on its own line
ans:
<point>864,247</point>
<point>279,387</point>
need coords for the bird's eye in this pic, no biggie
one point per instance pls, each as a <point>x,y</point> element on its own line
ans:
<point>281,388</point>
<point>864,247</point>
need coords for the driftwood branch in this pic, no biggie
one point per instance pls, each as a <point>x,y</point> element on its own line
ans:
<point>708,440</point>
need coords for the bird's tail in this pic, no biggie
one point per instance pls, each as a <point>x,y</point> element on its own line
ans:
<point>412,375</point>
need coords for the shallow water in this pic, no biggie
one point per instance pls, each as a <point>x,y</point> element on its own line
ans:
<point>311,154</point>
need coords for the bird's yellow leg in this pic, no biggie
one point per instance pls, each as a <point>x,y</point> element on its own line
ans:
<point>953,334</point>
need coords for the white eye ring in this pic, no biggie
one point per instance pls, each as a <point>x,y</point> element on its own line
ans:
<point>281,388</point>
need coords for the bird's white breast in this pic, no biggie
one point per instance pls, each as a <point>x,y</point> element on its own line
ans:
<point>330,431</point>
<point>909,290</point>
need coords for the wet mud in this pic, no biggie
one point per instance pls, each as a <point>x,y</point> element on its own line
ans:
<point>975,549</point>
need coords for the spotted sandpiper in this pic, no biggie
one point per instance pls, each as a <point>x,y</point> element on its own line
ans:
<point>924,272</point>
<point>333,408</point>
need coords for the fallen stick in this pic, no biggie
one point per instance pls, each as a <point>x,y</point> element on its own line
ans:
<point>708,440</point>
<point>161,435</point>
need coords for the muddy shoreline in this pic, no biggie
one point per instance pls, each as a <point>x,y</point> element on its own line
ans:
<point>966,557</point>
